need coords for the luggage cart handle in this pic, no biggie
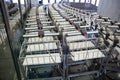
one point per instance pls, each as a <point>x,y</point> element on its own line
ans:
<point>118,31</point>
<point>77,33</point>
<point>46,34</point>
<point>33,28</point>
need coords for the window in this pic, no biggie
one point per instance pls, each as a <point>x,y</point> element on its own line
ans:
<point>93,2</point>
<point>22,1</point>
<point>57,1</point>
<point>70,0</point>
<point>45,1</point>
<point>15,1</point>
<point>82,1</point>
<point>87,1</point>
<point>76,0</point>
<point>52,1</point>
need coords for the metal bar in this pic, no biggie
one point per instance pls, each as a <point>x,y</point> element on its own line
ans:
<point>77,33</point>
<point>77,22</point>
<point>8,32</point>
<point>51,34</point>
<point>68,1</point>
<point>28,43</point>
<point>87,26</point>
<point>11,1</point>
<point>33,28</point>
<point>48,1</point>
<point>25,5</point>
<point>79,1</point>
<point>92,32</point>
<point>113,69</point>
<point>36,30</point>
<point>19,4</point>
<point>113,26</point>
<point>30,36</point>
<point>52,78</point>
<point>118,31</point>
<point>33,20</point>
<point>65,28</point>
<point>72,34</point>
<point>73,19</point>
<point>30,4</point>
<point>46,34</point>
<point>84,73</point>
<point>105,23</point>
<point>55,1</point>
<point>76,63</point>
<point>82,40</point>
<point>46,22</point>
<point>90,1</point>
<point>95,2</point>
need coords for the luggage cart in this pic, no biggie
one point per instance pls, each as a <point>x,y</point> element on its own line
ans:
<point>36,51</point>
<point>81,50</point>
<point>40,50</point>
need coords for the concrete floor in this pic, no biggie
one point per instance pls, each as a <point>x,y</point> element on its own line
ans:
<point>7,71</point>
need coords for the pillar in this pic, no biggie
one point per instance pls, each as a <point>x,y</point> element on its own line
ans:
<point>95,2</point>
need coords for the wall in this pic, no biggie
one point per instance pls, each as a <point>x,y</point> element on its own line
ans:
<point>35,2</point>
<point>110,8</point>
<point>84,6</point>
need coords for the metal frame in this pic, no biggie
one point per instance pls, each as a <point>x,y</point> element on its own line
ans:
<point>57,11</point>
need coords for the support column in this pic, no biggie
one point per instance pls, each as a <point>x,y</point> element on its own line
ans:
<point>79,1</point>
<point>54,1</point>
<point>67,0</point>
<point>73,0</point>
<point>25,4</point>
<point>11,1</point>
<point>30,4</point>
<point>90,1</point>
<point>95,2</point>
<point>48,1</point>
<point>85,1</point>
<point>20,10</point>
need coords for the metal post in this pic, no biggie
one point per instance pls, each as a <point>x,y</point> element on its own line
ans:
<point>79,1</point>
<point>48,1</point>
<point>19,4</point>
<point>55,1</point>
<point>30,4</point>
<point>67,0</point>
<point>65,58</point>
<point>90,1</point>
<point>7,28</point>
<point>25,4</point>
<point>85,1</point>
<point>11,1</point>
<point>95,2</point>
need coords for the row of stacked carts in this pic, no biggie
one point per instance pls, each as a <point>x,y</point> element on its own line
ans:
<point>65,43</point>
